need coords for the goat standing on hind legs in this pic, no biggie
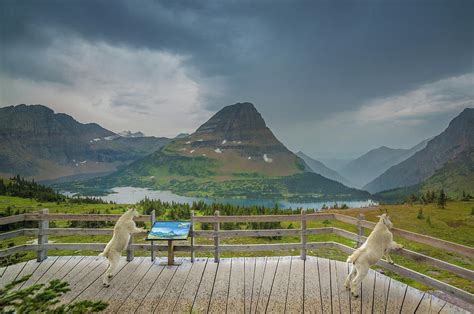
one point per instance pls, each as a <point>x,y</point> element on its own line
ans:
<point>124,227</point>
<point>377,245</point>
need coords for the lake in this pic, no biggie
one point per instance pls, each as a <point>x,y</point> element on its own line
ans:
<point>132,195</point>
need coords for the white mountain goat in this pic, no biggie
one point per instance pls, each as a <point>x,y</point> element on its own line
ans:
<point>122,230</point>
<point>377,245</point>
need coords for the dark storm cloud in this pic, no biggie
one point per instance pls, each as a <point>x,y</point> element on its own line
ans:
<point>298,61</point>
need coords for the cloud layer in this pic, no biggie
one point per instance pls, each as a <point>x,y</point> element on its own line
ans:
<point>138,89</point>
<point>413,116</point>
<point>340,76</point>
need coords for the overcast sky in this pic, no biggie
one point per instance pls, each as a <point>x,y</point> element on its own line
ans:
<point>331,78</point>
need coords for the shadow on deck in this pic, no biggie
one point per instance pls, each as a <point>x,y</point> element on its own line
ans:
<point>235,285</point>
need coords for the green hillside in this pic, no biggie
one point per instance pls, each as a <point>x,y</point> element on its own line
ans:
<point>455,177</point>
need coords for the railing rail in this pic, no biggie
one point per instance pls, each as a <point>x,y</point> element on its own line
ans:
<point>43,246</point>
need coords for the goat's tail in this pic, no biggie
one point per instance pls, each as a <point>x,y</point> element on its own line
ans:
<point>353,258</point>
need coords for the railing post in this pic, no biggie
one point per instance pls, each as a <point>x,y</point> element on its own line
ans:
<point>152,218</point>
<point>43,224</point>
<point>216,238</point>
<point>360,231</point>
<point>303,235</point>
<point>192,237</point>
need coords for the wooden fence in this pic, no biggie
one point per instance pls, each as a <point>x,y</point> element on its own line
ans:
<point>43,246</point>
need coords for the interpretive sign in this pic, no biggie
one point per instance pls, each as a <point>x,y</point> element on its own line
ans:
<point>169,230</point>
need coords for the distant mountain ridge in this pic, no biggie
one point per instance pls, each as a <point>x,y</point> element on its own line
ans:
<point>367,167</point>
<point>445,157</point>
<point>42,144</point>
<point>233,154</point>
<point>320,168</point>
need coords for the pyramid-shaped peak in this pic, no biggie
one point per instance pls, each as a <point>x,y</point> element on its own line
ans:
<point>237,118</point>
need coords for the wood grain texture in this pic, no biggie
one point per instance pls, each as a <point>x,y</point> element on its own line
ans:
<point>237,285</point>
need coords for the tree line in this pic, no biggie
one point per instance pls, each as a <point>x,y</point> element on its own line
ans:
<point>21,187</point>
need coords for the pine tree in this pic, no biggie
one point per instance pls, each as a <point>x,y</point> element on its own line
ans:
<point>420,214</point>
<point>442,199</point>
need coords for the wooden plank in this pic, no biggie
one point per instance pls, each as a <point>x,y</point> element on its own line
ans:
<point>152,298</point>
<point>49,275</point>
<point>249,271</point>
<point>68,267</point>
<point>11,272</point>
<point>336,306</point>
<point>11,219</point>
<point>437,243</point>
<point>267,283</point>
<point>260,264</point>
<point>80,269</point>
<point>411,301</point>
<point>191,286</point>
<point>259,247</point>
<point>204,293</point>
<point>83,280</point>
<point>325,284</point>
<point>17,249</point>
<point>171,295</point>
<point>218,302</point>
<point>367,292</point>
<point>236,297</point>
<point>380,292</point>
<point>277,299</point>
<point>261,233</point>
<point>452,309</point>
<point>312,286</point>
<point>12,234</point>
<point>96,289</point>
<point>430,304</point>
<point>79,217</point>
<point>246,233</point>
<point>2,270</point>
<point>39,272</point>
<point>344,294</point>
<point>29,269</point>
<point>132,302</point>
<point>252,218</point>
<point>396,294</point>
<point>127,288</point>
<point>296,283</point>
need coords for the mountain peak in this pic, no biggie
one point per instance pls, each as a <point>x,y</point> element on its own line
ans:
<point>233,121</point>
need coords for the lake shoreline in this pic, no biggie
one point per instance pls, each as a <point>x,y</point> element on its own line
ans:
<point>133,195</point>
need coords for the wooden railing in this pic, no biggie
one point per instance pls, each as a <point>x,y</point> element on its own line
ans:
<point>43,231</point>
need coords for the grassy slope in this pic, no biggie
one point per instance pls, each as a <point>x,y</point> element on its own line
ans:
<point>455,223</point>
<point>454,177</point>
<point>203,177</point>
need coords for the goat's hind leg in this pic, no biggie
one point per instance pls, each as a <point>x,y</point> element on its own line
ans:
<point>351,275</point>
<point>110,272</point>
<point>362,271</point>
<point>106,277</point>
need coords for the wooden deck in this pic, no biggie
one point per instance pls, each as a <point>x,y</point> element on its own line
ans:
<point>237,285</point>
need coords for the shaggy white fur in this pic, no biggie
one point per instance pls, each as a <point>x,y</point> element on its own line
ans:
<point>122,230</point>
<point>377,245</point>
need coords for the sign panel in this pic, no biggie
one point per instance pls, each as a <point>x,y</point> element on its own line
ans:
<point>169,230</point>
